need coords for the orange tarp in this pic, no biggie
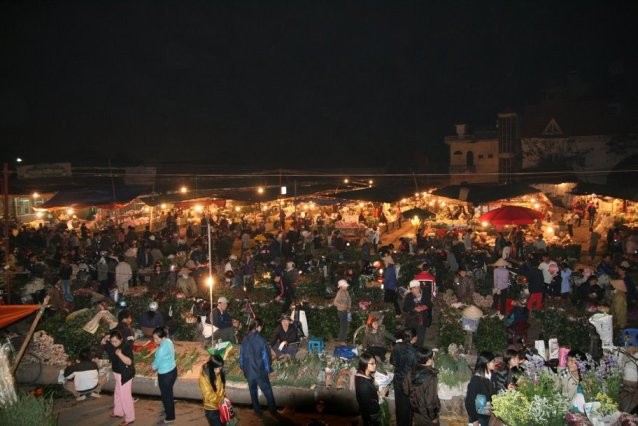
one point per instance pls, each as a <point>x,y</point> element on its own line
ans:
<point>12,313</point>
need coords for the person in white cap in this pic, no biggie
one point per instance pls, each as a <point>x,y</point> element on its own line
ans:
<point>223,323</point>
<point>343,302</point>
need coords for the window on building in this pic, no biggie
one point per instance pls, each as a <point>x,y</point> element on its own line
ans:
<point>490,155</point>
<point>458,153</point>
<point>480,156</point>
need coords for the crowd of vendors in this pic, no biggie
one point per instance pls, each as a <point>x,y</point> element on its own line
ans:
<point>175,260</point>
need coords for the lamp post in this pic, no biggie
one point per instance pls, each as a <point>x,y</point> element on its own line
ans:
<point>210,273</point>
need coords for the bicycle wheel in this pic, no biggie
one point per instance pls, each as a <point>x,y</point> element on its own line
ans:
<point>30,369</point>
<point>357,337</point>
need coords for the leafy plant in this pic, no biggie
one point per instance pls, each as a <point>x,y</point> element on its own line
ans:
<point>569,327</point>
<point>491,335</point>
<point>28,410</point>
<point>450,328</point>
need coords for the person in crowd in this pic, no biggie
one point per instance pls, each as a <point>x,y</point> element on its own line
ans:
<point>569,377</point>
<point>501,284</point>
<point>343,302</point>
<point>186,283</point>
<point>158,277</point>
<point>464,287</point>
<point>65,273</point>
<point>83,376</point>
<point>594,238</point>
<point>403,358</point>
<point>535,283</point>
<point>290,278</point>
<point>539,243</point>
<point>550,269</point>
<point>212,383</point>
<point>632,294</point>
<point>415,309</point>
<point>102,269</point>
<point>618,308</point>
<point>606,266</point>
<point>421,386</point>
<point>120,354</point>
<point>391,285</point>
<point>480,390</point>
<point>123,275</point>
<point>565,280</point>
<point>223,324</point>
<point>366,390</point>
<point>255,363</point>
<point>151,319</point>
<point>285,339</point>
<point>499,244</point>
<point>164,364</point>
<point>591,292</point>
<point>506,377</point>
<point>375,338</point>
<point>124,321</point>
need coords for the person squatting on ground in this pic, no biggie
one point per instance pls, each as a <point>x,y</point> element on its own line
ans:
<point>83,376</point>
<point>212,383</point>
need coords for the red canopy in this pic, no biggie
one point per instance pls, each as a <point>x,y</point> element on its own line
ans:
<point>12,313</point>
<point>511,215</point>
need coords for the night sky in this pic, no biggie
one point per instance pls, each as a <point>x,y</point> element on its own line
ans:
<point>292,84</point>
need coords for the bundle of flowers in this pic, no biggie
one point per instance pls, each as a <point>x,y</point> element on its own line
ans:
<point>483,301</point>
<point>604,377</point>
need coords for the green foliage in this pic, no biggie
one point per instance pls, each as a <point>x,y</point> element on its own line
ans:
<point>450,328</point>
<point>491,335</point>
<point>70,333</point>
<point>453,371</point>
<point>27,411</point>
<point>570,327</point>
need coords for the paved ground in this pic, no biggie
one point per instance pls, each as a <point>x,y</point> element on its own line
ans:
<point>96,412</point>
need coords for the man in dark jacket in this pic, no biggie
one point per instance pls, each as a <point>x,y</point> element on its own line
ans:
<point>254,361</point>
<point>403,358</point>
<point>535,283</point>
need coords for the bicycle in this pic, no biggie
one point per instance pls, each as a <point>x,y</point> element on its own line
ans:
<point>30,367</point>
<point>359,333</point>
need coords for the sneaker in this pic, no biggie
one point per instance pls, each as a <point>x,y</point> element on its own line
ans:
<point>135,400</point>
<point>96,395</point>
<point>81,398</point>
<point>169,422</point>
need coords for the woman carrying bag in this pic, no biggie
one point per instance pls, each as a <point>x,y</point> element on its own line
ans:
<point>122,361</point>
<point>478,398</point>
<point>212,383</point>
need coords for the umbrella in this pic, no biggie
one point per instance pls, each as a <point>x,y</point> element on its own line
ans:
<point>420,213</point>
<point>511,215</point>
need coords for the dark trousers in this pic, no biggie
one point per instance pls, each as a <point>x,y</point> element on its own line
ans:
<point>392,296</point>
<point>344,325</point>
<point>500,301</point>
<point>420,335</point>
<point>402,407</point>
<point>264,384</point>
<point>165,383</point>
<point>213,417</point>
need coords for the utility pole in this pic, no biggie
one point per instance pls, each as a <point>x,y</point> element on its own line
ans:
<point>5,193</point>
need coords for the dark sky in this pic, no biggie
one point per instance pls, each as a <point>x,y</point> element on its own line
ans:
<point>291,84</point>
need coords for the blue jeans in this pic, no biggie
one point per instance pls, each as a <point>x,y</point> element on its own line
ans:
<point>264,384</point>
<point>66,290</point>
<point>166,382</point>
<point>213,417</point>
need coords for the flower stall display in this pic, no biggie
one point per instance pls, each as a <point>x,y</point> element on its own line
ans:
<point>537,399</point>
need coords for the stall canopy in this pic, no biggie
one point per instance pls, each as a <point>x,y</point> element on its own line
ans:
<point>383,193</point>
<point>511,215</point>
<point>106,198</point>
<point>479,194</point>
<point>12,313</point>
<point>625,192</point>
